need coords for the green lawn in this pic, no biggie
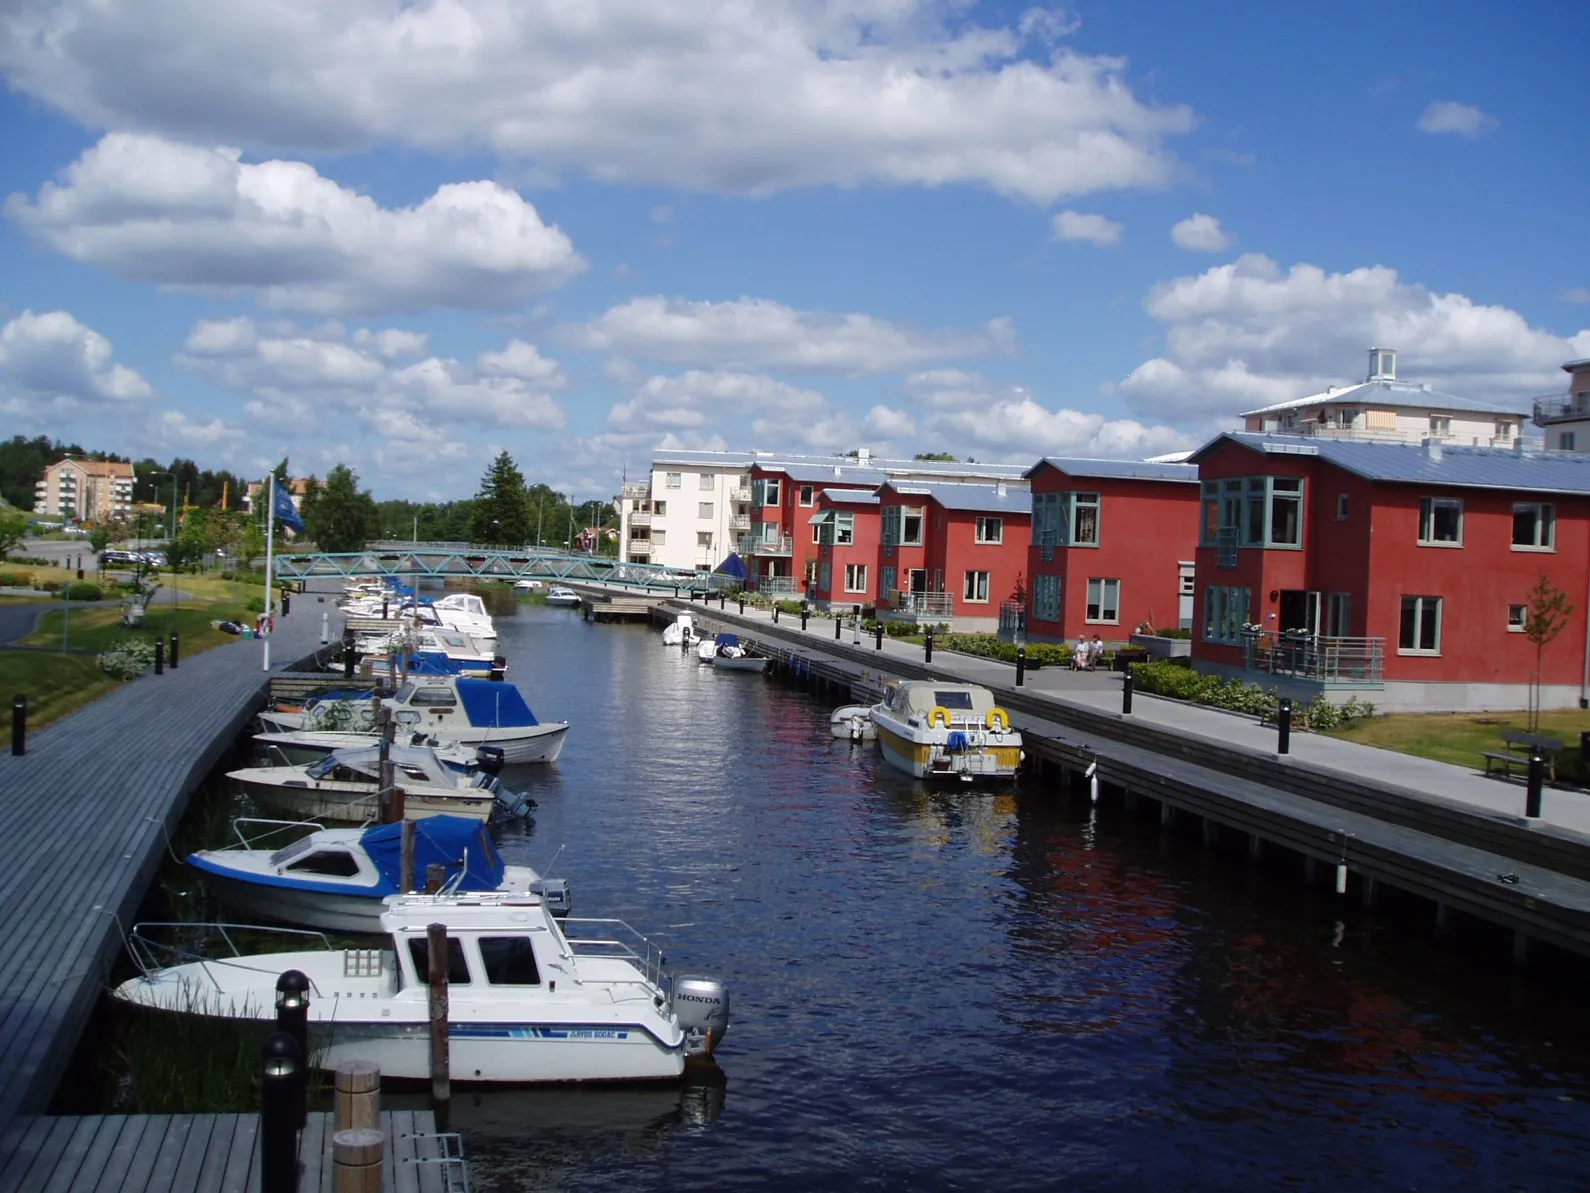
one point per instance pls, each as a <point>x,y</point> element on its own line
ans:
<point>96,627</point>
<point>55,684</point>
<point>1463,738</point>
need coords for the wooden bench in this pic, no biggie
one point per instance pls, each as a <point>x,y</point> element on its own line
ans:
<point>1519,745</point>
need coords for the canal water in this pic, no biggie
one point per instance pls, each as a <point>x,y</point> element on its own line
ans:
<point>969,989</point>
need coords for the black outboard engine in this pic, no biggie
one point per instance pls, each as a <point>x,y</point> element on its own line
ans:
<point>489,759</point>
<point>555,895</point>
<point>499,668</point>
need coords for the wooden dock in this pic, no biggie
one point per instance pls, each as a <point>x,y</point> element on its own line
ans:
<point>605,606</point>
<point>207,1153</point>
<point>88,813</point>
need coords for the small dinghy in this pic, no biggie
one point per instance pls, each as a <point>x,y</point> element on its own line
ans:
<point>730,654</point>
<point>337,879</point>
<point>343,786</point>
<point>681,633</point>
<point>853,723</point>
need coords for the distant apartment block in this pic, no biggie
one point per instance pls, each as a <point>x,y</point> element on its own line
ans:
<point>85,491</point>
<point>298,486</point>
<point>1565,418</point>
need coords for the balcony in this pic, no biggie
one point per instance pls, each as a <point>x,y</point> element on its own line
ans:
<point>1353,662</point>
<point>640,518</point>
<point>635,491</point>
<point>640,548</point>
<point>924,605</point>
<point>740,494</point>
<point>750,544</point>
<point>1561,408</point>
<point>780,587</point>
<point>740,522</point>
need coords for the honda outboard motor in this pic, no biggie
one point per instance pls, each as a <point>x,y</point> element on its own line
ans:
<point>489,759</point>
<point>702,1007</point>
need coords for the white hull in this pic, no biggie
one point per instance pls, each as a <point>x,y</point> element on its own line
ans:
<point>327,910</point>
<point>520,747</point>
<point>563,602</point>
<point>355,803</point>
<point>853,723</point>
<point>741,664</point>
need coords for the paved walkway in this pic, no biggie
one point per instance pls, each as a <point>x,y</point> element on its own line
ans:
<point>1100,692</point>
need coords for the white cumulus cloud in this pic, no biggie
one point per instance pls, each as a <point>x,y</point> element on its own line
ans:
<point>1077,225</point>
<point>154,210</point>
<point>1201,233</point>
<point>723,95</point>
<point>51,358</point>
<point>754,333</point>
<point>1249,333</point>
<point>1448,116</point>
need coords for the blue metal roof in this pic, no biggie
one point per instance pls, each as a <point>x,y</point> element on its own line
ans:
<point>1016,499</point>
<point>840,472</point>
<point>1394,394</point>
<point>851,496</point>
<point>1140,470</point>
<point>1530,471</point>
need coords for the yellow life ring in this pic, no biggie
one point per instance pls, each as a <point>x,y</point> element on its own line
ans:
<point>1000,716</point>
<point>937,713</point>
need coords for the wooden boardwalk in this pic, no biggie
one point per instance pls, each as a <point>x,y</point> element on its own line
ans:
<point>201,1153</point>
<point>87,813</point>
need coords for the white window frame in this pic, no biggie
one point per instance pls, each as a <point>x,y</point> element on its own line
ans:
<point>974,588</point>
<point>990,530</point>
<point>673,480</point>
<point>707,482</point>
<point>659,536</point>
<point>1545,526</point>
<point>706,510</point>
<point>919,512</point>
<point>704,539</point>
<point>659,508</point>
<point>1517,617</point>
<point>844,528</point>
<point>1565,441</point>
<point>1419,603</point>
<point>1427,511</point>
<point>856,577</point>
<point>1077,503</point>
<point>807,494</point>
<point>1441,424</point>
<point>1099,610</point>
<point>772,493</point>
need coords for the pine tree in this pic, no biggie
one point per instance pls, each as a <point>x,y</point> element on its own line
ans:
<point>342,518</point>
<point>500,513</point>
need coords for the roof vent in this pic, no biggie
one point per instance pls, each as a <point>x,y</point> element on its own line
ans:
<point>1432,450</point>
<point>999,488</point>
<point>863,455</point>
<point>1518,446</point>
<point>1382,364</point>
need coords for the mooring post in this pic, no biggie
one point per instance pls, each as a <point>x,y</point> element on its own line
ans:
<point>1126,692</point>
<point>386,772</point>
<point>742,602</point>
<point>160,657</point>
<point>723,599</point>
<point>358,1095</point>
<point>1537,777</point>
<point>325,629</point>
<point>356,1160</point>
<point>927,646</point>
<point>278,1114</point>
<point>839,626</point>
<point>407,872</point>
<point>441,1065</point>
<point>775,611</point>
<point>1021,665</point>
<point>176,640</point>
<point>435,878</point>
<point>1167,812</point>
<point>19,725</point>
<point>877,636</point>
<point>292,1017</point>
<point>385,608</point>
<point>287,603</point>
<point>1283,725</point>
<point>805,611</point>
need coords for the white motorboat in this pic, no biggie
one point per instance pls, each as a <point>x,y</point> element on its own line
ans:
<point>337,879</point>
<point>728,653</point>
<point>559,595</point>
<point>946,730</point>
<point>530,998</point>
<point>344,784</point>
<point>466,612</point>
<point>453,709</point>
<point>439,651</point>
<point>682,632</point>
<point>853,723</point>
<point>300,747</point>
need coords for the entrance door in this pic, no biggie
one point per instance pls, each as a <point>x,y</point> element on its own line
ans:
<point>1339,619</point>
<point>1299,610</point>
<point>917,580</point>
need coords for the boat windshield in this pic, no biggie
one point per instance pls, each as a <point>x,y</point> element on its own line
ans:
<point>319,770</point>
<point>403,694</point>
<point>953,699</point>
<point>288,852</point>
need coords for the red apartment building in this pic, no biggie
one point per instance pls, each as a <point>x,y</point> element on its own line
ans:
<point>848,530</point>
<point>1398,570</point>
<point>1111,547</point>
<point>780,550</point>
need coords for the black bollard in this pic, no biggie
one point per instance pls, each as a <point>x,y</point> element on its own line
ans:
<point>1537,778</point>
<point>804,612</point>
<point>160,657</point>
<point>742,602</point>
<point>278,1114</point>
<point>175,638</point>
<point>927,647</point>
<point>1126,692</point>
<point>385,604</point>
<point>19,725</point>
<point>877,636</point>
<point>775,612</point>
<point>1283,724</point>
<point>839,625</point>
<point>1021,665</point>
<point>287,604</point>
<point>292,1017</point>
<point>723,599</point>
<point>347,661</point>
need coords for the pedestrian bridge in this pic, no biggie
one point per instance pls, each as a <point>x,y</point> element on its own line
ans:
<point>412,561</point>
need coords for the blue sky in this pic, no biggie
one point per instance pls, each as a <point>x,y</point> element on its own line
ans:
<point>403,236</point>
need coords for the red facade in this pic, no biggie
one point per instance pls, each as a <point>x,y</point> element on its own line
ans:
<point>780,548</point>
<point>1439,572</point>
<point>1107,554</point>
<point>951,552</point>
<point>846,572</point>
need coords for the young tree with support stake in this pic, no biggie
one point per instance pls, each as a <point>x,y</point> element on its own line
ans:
<point>1547,614</point>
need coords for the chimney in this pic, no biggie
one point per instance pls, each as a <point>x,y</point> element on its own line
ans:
<point>1432,450</point>
<point>1518,445</point>
<point>1382,364</point>
<point>999,488</point>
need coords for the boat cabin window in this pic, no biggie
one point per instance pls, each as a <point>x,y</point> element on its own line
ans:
<point>509,961</point>
<point>336,862</point>
<point>457,971</point>
<point>414,772</point>
<point>433,698</point>
<point>953,699</point>
<point>403,694</point>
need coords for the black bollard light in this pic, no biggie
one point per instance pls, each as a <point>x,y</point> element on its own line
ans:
<point>877,636</point>
<point>742,602</point>
<point>292,1017</point>
<point>385,606</point>
<point>287,604</point>
<point>1537,779</point>
<point>278,1114</point>
<point>927,646</point>
<point>1283,724</point>
<point>775,612</point>
<point>839,626</point>
<point>723,599</point>
<point>160,657</point>
<point>175,639</point>
<point>804,612</point>
<point>1126,692</point>
<point>1021,665</point>
<point>347,661</point>
<point>19,725</point>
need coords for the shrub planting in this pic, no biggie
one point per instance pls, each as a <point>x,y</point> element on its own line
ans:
<point>127,658</point>
<point>84,591</point>
<point>1177,681</point>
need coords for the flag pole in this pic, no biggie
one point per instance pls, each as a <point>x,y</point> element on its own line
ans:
<point>270,543</point>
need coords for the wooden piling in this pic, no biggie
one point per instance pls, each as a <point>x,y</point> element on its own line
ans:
<point>441,1061</point>
<point>407,871</point>
<point>1167,813</point>
<point>356,1160</point>
<point>1255,847</point>
<point>358,1095</point>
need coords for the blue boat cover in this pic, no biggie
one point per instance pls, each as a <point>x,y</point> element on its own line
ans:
<point>438,840</point>
<point>728,639</point>
<point>733,567</point>
<point>494,705</point>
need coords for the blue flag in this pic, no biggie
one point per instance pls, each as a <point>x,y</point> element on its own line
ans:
<point>286,514</point>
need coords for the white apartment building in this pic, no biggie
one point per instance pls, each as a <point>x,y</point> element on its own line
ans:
<point>85,491</point>
<point>1566,417</point>
<point>689,513</point>
<point>1384,408</point>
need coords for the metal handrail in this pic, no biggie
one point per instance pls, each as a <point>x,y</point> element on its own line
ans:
<point>651,964</point>
<point>146,952</point>
<point>1332,658</point>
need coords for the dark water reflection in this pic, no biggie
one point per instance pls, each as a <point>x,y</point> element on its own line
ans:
<point>962,989</point>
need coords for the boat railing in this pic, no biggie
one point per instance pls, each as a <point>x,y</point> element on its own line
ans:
<point>277,826</point>
<point>151,954</point>
<point>622,942</point>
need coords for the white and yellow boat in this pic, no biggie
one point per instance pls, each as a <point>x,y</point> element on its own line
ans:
<point>946,730</point>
